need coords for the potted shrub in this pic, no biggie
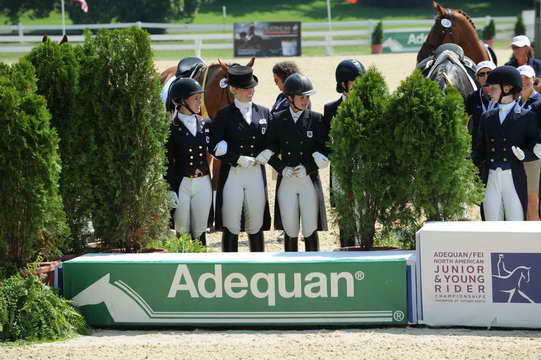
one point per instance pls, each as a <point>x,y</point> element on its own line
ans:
<point>520,29</point>
<point>377,39</point>
<point>489,32</point>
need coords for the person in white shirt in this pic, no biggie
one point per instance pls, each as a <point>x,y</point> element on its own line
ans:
<point>188,172</point>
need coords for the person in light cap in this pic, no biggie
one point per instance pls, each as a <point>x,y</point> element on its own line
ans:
<point>478,102</point>
<point>506,138</point>
<point>531,100</point>
<point>523,55</point>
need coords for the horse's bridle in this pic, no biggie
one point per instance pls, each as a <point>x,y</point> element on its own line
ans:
<point>444,30</point>
<point>205,70</point>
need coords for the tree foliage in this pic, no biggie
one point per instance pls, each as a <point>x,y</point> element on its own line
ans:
<point>361,157</point>
<point>30,310</point>
<point>520,28</point>
<point>57,70</point>
<point>103,11</point>
<point>377,34</point>
<point>489,31</point>
<point>121,105</point>
<point>432,145</point>
<point>31,216</point>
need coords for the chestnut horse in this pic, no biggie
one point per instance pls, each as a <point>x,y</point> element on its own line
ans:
<point>453,26</point>
<point>215,97</point>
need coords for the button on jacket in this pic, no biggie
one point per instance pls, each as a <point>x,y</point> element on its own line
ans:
<point>296,142</point>
<point>494,141</point>
<point>187,154</point>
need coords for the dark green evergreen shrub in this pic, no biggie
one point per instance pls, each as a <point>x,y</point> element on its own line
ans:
<point>57,70</point>
<point>431,145</point>
<point>520,29</point>
<point>30,310</point>
<point>361,157</point>
<point>489,31</point>
<point>120,104</point>
<point>377,34</point>
<point>32,220</point>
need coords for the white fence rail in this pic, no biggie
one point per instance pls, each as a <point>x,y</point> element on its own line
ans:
<point>196,42</point>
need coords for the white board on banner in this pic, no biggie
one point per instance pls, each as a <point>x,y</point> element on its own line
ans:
<point>480,274</point>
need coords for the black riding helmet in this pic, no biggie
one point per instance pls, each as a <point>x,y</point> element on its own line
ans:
<point>505,75</point>
<point>298,84</point>
<point>187,65</point>
<point>183,88</point>
<point>346,71</point>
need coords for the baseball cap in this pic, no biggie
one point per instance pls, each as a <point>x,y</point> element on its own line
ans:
<point>526,70</point>
<point>520,41</point>
<point>485,64</point>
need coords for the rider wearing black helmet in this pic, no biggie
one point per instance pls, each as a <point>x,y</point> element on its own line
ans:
<point>297,150</point>
<point>188,172</point>
<point>505,139</point>
<point>346,72</point>
<point>186,68</point>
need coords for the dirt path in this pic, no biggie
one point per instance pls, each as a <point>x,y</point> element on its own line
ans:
<point>389,343</point>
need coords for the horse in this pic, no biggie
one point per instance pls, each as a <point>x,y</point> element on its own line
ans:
<point>215,96</point>
<point>454,26</point>
<point>511,282</point>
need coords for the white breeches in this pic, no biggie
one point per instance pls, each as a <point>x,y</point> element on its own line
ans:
<point>501,199</point>
<point>195,200</point>
<point>298,200</point>
<point>244,187</point>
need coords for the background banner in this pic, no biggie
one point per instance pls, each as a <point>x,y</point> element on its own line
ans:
<point>238,289</point>
<point>267,38</point>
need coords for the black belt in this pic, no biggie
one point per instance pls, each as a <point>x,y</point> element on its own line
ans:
<point>196,175</point>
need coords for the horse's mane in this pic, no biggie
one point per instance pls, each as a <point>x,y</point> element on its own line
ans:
<point>461,12</point>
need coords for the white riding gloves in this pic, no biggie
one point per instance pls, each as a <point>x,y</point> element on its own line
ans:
<point>288,171</point>
<point>518,152</point>
<point>264,156</point>
<point>537,150</point>
<point>299,171</point>
<point>246,161</point>
<point>173,200</point>
<point>220,148</point>
<point>321,160</point>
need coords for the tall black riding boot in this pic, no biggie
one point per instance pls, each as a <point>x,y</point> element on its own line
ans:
<point>311,243</point>
<point>291,244</point>
<point>203,238</point>
<point>256,242</point>
<point>230,241</point>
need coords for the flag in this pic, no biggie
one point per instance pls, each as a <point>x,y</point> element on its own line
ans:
<point>84,5</point>
<point>351,1</point>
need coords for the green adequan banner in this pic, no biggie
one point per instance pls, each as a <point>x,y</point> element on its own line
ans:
<point>249,289</point>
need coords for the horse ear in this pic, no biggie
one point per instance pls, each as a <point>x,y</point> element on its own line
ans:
<point>251,62</point>
<point>438,8</point>
<point>224,67</point>
<point>64,39</point>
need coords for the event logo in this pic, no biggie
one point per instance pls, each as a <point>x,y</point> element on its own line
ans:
<point>516,277</point>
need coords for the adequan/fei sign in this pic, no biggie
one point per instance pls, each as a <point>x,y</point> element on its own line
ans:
<point>480,274</point>
<point>238,289</point>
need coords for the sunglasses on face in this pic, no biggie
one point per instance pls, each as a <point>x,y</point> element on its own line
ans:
<point>483,74</point>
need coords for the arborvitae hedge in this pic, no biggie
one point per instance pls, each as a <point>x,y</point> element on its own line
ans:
<point>120,103</point>
<point>489,31</point>
<point>57,70</point>
<point>361,157</point>
<point>31,216</point>
<point>520,29</point>
<point>431,145</point>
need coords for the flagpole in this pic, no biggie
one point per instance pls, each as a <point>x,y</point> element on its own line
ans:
<point>329,14</point>
<point>63,19</point>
